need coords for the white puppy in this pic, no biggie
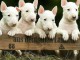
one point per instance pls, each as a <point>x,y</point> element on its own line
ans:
<point>68,23</point>
<point>46,23</point>
<point>28,17</point>
<point>9,20</point>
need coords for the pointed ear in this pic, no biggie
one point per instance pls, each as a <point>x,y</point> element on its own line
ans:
<point>35,3</point>
<point>78,2</point>
<point>63,3</point>
<point>3,6</point>
<point>54,10</point>
<point>41,10</point>
<point>17,9</point>
<point>21,3</point>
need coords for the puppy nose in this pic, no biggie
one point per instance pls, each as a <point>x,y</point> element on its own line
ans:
<point>49,29</point>
<point>13,25</point>
<point>32,20</point>
<point>74,17</point>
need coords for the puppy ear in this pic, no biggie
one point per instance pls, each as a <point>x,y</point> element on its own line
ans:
<point>17,9</point>
<point>3,6</point>
<point>21,3</point>
<point>78,2</point>
<point>35,3</point>
<point>63,3</point>
<point>41,10</point>
<point>54,10</point>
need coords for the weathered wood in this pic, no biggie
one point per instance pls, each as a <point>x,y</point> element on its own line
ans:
<point>22,42</point>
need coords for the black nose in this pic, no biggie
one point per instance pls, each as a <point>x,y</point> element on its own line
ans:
<point>13,25</point>
<point>32,20</point>
<point>49,29</point>
<point>74,17</point>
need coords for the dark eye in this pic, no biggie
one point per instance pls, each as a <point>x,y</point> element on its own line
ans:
<point>27,10</point>
<point>76,9</point>
<point>9,15</point>
<point>52,19</point>
<point>68,9</point>
<point>17,15</point>
<point>35,11</point>
<point>45,19</point>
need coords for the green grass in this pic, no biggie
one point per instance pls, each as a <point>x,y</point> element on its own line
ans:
<point>27,56</point>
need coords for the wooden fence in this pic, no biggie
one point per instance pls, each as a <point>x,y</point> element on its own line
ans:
<point>22,42</point>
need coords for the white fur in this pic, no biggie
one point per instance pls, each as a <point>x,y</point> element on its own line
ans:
<point>9,21</point>
<point>67,24</point>
<point>25,24</point>
<point>42,26</point>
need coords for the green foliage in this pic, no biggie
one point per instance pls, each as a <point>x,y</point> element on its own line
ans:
<point>28,56</point>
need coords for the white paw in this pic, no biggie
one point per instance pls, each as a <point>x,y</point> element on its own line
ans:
<point>42,35</point>
<point>51,35</point>
<point>75,36</point>
<point>29,33</point>
<point>19,52</point>
<point>0,32</point>
<point>65,36</point>
<point>75,52</point>
<point>11,33</point>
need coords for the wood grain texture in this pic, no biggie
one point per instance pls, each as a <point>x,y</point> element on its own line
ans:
<point>22,42</point>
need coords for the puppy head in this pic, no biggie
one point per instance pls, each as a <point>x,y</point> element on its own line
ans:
<point>70,10</point>
<point>28,10</point>
<point>10,14</point>
<point>47,18</point>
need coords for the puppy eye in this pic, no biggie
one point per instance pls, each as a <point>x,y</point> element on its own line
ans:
<point>9,15</point>
<point>76,9</point>
<point>27,10</point>
<point>45,19</point>
<point>35,11</point>
<point>17,15</point>
<point>52,19</point>
<point>68,9</point>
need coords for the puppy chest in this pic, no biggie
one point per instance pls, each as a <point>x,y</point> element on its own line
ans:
<point>69,28</point>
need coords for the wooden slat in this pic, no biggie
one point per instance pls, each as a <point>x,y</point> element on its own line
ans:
<point>22,42</point>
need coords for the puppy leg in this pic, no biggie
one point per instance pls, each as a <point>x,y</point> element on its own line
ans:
<point>29,32</point>
<point>41,33</point>
<point>19,52</point>
<point>75,36</point>
<point>52,33</point>
<point>64,34</point>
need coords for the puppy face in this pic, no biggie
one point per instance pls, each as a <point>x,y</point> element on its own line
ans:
<point>47,18</point>
<point>28,10</point>
<point>10,15</point>
<point>70,10</point>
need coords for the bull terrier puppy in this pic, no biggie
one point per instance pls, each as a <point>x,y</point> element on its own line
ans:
<point>28,17</point>
<point>9,21</point>
<point>46,23</point>
<point>68,23</point>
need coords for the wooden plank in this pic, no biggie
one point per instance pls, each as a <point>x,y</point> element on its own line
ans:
<point>22,42</point>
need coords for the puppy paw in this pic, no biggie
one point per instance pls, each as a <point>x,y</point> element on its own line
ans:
<point>51,35</point>
<point>29,33</point>
<point>11,33</point>
<point>19,52</point>
<point>42,35</point>
<point>76,52</point>
<point>65,36</point>
<point>75,36</point>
